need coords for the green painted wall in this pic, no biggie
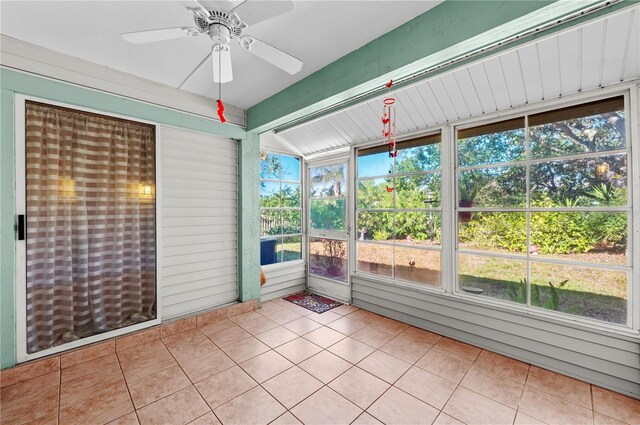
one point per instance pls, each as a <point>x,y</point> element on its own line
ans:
<point>12,82</point>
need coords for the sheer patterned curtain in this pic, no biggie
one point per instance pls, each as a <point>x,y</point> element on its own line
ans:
<point>90,192</point>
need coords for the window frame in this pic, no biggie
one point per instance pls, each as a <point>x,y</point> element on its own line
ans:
<point>301,182</point>
<point>630,95</point>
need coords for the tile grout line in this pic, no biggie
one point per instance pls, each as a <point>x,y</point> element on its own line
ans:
<point>127,385</point>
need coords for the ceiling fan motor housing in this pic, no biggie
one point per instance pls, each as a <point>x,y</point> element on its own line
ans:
<point>220,26</point>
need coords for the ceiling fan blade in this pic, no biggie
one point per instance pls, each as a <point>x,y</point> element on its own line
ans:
<point>252,12</point>
<point>221,58</point>
<point>196,7</point>
<point>271,54</point>
<point>225,5</point>
<point>140,37</point>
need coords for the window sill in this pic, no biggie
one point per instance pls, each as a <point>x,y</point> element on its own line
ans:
<point>284,265</point>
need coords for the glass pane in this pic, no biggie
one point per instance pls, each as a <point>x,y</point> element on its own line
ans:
<point>501,278</point>
<point>270,194</point>
<point>291,221</point>
<point>493,232</point>
<point>492,187</point>
<point>583,291</point>
<point>328,181</point>
<point>377,226</point>
<point>290,195</point>
<point>328,258</point>
<point>270,222</point>
<point>580,182</point>
<point>418,265</point>
<point>270,167</point>
<point>374,258</point>
<point>418,228</point>
<point>420,158</point>
<point>595,133</point>
<point>290,248</point>
<point>328,214</point>
<point>592,237</point>
<point>269,251</point>
<point>378,164</point>
<point>374,193</point>
<point>290,168</point>
<point>418,191</point>
<point>504,146</point>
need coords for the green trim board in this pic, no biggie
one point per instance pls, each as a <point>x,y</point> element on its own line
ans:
<point>449,31</point>
<point>13,82</point>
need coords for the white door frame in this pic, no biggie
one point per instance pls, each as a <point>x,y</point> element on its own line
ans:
<point>21,254</point>
<point>322,285</point>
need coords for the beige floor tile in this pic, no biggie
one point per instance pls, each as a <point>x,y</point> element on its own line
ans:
<point>302,326</point>
<point>367,316</point>
<point>253,407</point>
<point>522,419</point>
<point>423,334</point>
<point>265,366</point>
<point>217,326</point>
<point>298,309</point>
<point>359,387</point>
<point>496,387</point>
<point>90,367</point>
<point>344,309</point>
<point>444,419</point>
<point>30,387</point>
<point>128,419</point>
<point>276,336</point>
<point>472,408</point>
<point>298,350</point>
<point>553,410</point>
<point>28,371</point>
<point>348,325</point>
<point>426,386</point>
<point>324,318</point>
<point>286,419</point>
<point>267,307</point>
<point>138,338</point>
<point>351,350</point>
<point>140,351</point>
<point>282,316</point>
<point>326,407</point>
<point>406,347</point>
<point>397,407</point>
<point>100,407</point>
<point>258,326</point>
<point>600,419</point>
<point>42,404</point>
<point>154,387</point>
<point>178,327</point>
<point>206,419</point>
<point>225,386</point>
<point>391,326</point>
<point>372,336</point>
<point>324,337</point>
<point>76,390</point>
<point>292,386</point>
<point>366,419</point>
<point>86,354</point>
<point>181,337</point>
<point>443,365</point>
<point>325,366</point>
<point>147,365</point>
<point>184,350</point>
<point>228,336</point>
<point>456,349</point>
<point>205,366</point>
<point>245,349</point>
<point>502,366</point>
<point>384,366</point>
<point>245,317</point>
<point>562,386</point>
<point>616,405</point>
<point>177,409</point>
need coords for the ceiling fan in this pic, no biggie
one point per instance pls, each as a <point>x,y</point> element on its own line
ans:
<point>223,21</point>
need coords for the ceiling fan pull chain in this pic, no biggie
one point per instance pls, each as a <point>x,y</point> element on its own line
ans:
<point>220,104</point>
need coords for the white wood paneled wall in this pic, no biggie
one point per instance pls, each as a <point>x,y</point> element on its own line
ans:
<point>199,223</point>
<point>597,54</point>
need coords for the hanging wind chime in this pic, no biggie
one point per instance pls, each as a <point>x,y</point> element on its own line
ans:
<point>389,125</point>
<point>220,104</point>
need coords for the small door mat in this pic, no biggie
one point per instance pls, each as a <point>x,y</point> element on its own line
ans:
<point>312,302</point>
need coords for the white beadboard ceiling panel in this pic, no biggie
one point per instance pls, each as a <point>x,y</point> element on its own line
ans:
<point>596,54</point>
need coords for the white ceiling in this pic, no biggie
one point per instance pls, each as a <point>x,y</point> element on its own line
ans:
<point>317,32</point>
<point>597,54</point>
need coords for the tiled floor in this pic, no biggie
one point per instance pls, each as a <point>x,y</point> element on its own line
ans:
<point>283,364</point>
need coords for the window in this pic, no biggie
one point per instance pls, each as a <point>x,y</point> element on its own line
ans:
<point>544,212</point>
<point>398,211</point>
<point>280,209</point>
